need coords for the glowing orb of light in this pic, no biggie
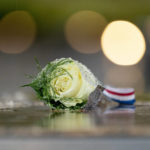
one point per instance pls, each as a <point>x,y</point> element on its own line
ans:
<point>83,30</point>
<point>123,43</point>
<point>17,32</point>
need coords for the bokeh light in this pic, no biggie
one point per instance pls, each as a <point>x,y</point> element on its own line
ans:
<point>17,32</point>
<point>83,30</point>
<point>123,43</point>
<point>125,77</point>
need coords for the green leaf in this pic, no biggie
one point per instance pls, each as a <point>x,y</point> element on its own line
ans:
<point>38,64</point>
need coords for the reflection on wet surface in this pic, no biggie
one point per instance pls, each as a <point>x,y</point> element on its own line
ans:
<point>39,120</point>
<point>67,121</point>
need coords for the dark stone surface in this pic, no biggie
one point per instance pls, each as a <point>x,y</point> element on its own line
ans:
<point>108,121</point>
<point>109,127</point>
<point>94,99</point>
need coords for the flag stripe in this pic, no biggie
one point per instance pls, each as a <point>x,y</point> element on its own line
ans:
<point>130,102</point>
<point>123,98</point>
<point>119,94</point>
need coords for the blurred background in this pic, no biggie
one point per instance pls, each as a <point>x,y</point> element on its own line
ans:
<point>111,37</point>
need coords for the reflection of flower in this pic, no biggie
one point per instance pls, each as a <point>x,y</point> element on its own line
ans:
<point>64,83</point>
<point>67,121</point>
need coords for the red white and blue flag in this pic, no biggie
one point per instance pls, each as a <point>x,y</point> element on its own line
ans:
<point>120,95</point>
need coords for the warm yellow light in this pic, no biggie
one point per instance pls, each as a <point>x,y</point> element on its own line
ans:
<point>17,32</point>
<point>123,43</point>
<point>83,30</point>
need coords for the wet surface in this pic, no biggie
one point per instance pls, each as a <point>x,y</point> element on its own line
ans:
<point>110,121</point>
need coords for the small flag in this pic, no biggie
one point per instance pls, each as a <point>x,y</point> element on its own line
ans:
<point>121,95</point>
